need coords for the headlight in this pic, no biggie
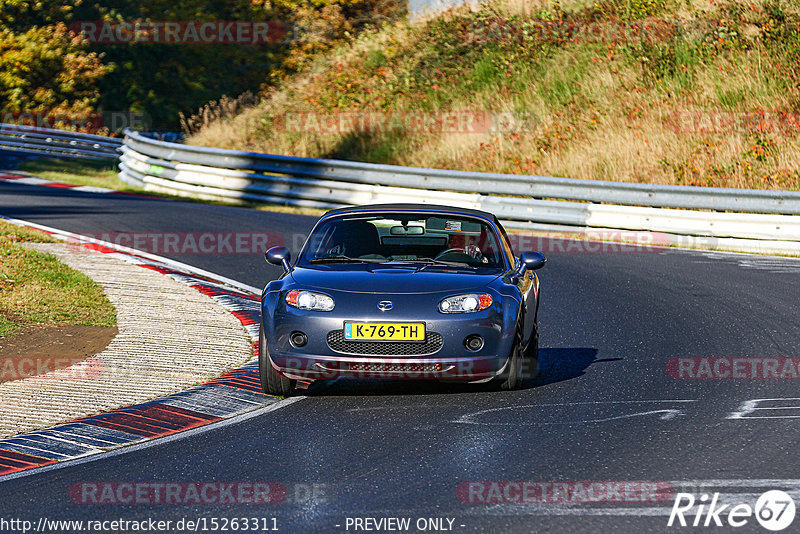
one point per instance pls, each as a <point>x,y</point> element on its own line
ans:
<point>308,300</point>
<point>465,303</point>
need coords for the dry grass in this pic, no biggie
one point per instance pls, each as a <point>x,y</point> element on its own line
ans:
<point>217,111</point>
<point>682,110</point>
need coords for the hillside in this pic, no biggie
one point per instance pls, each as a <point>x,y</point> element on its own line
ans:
<point>698,92</point>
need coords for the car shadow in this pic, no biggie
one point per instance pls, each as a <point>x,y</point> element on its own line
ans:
<point>555,365</point>
<point>564,363</point>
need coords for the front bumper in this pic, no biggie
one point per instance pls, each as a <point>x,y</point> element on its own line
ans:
<point>472,369</point>
<point>447,359</point>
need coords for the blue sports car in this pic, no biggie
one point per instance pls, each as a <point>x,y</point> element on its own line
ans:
<point>401,291</point>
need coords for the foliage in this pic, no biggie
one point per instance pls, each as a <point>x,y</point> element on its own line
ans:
<point>48,71</point>
<point>22,15</point>
<point>164,80</point>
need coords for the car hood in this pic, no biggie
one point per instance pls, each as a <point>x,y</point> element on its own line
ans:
<point>371,278</point>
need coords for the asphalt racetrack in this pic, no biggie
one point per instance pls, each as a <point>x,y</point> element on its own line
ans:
<point>611,404</point>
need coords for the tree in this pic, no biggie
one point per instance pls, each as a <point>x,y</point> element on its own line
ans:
<point>47,71</point>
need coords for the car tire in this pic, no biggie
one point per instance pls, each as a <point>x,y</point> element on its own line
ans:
<point>531,365</point>
<point>512,378</point>
<point>271,382</point>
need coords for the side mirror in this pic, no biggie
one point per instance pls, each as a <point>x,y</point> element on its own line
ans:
<point>532,260</point>
<point>279,256</point>
<point>528,261</point>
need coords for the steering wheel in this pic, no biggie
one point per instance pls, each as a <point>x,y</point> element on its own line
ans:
<point>472,251</point>
<point>449,250</point>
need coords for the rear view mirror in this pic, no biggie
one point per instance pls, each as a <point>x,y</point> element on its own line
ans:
<point>407,230</point>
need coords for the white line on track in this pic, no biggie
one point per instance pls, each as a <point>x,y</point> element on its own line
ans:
<point>161,259</point>
<point>666,414</point>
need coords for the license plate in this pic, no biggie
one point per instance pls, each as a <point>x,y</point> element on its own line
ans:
<point>384,331</point>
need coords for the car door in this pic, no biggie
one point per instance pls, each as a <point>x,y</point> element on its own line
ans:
<point>528,286</point>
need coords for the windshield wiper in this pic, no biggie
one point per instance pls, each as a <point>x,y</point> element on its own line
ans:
<point>345,259</point>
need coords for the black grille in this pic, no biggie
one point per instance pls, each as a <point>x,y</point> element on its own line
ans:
<point>414,368</point>
<point>433,342</point>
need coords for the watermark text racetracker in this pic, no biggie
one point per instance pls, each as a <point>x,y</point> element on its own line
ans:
<point>755,121</point>
<point>466,121</point>
<point>209,242</point>
<point>592,242</point>
<point>177,493</point>
<point>525,32</point>
<point>188,242</point>
<point>563,492</point>
<point>195,493</point>
<point>741,368</point>
<point>112,121</point>
<point>392,369</point>
<point>50,368</point>
<point>181,32</point>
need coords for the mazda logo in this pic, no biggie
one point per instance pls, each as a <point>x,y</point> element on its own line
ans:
<point>385,305</point>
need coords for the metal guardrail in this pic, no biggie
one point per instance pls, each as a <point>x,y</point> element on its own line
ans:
<point>634,194</point>
<point>739,217</point>
<point>57,143</point>
<point>522,200</point>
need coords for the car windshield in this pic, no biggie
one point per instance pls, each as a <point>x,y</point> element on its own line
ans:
<point>424,239</point>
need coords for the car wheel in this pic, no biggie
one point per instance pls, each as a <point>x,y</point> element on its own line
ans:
<point>512,378</point>
<point>271,382</point>
<point>531,365</point>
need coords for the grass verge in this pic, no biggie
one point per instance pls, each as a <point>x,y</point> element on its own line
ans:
<point>37,288</point>
<point>77,172</point>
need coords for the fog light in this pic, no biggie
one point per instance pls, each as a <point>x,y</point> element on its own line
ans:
<point>474,343</point>
<point>298,339</point>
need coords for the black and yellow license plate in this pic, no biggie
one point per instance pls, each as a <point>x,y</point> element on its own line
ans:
<point>384,331</point>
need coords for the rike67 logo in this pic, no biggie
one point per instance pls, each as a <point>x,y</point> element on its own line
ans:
<point>774,510</point>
